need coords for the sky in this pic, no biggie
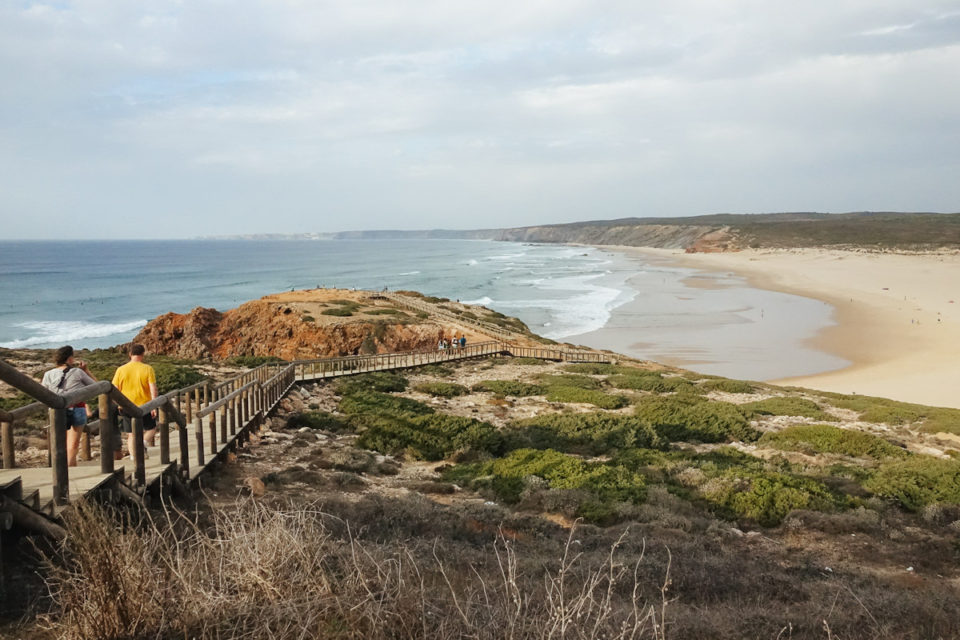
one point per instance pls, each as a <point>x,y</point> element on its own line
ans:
<point>176,119</point>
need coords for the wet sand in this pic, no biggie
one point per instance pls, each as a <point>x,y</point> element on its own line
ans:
<point>897,315</point>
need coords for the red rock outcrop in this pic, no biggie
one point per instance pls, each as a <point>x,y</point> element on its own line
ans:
<point>270,328</point>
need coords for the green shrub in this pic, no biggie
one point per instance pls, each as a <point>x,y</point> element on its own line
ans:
<point>549,380</point>
<point>438,370</point>
<point>592,433</point>
<point>442,389</point>
<point>687,417</point>
<point>508,388</point>
<point>767,497</point>
<point>587,396</point>
<point>596,368</point>
<point>917,481</point>
<point>886,411</point>
<point>308,318</point>
<point>377,381</point>
<point>337,311</point>
<point>787,406</point>
<point>429,437</point>
<point>384,312</point>
<point>603,484</point>
<point>319,420</point>
<point>253,361</point>
<point>822,438</point>
<point>344,302</point>
<point>172,377</point>
<point>423,315</point>
<point>21,399</point>
<point>650,381</point>
<point>382,404</point>
<point>728,386</point>
<point>524,361</point>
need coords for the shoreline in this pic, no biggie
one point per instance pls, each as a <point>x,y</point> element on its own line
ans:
<point>897,315</point>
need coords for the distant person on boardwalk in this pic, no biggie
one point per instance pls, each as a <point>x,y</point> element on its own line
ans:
<point>463,342</point>
<point>68,375</point>
<point>440,344</point>
<point>138,381</point>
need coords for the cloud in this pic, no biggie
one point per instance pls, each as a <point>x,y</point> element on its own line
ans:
<point>270,115</point>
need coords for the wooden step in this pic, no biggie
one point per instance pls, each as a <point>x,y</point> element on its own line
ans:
<point>32,499</point>
<point>13,489</point>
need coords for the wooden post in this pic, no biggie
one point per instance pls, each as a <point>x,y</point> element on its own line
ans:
<point>212,425</point>
<point>206,393</point>
<point>85,453</point>
<point>189,406</point>
<point>184,449</point>
<point>198,433</point>
<point>140,473</point>
<point>196,398</point>
<point>232,405</point>
<point>223,423</point>
<point>9,456</point>
<point>163,423</point>
<point>107,434</point>
<point>58,454</point>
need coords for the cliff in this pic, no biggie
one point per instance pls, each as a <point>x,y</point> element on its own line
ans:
<point>297,325</point>
<point>636,235</point>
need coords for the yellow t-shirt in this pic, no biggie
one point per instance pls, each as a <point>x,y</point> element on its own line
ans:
<point>134,380</point>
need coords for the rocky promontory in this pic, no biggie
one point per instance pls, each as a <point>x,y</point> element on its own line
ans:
<point>316,323</point>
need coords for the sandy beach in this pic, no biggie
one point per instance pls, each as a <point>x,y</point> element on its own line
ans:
<point>897,315</point>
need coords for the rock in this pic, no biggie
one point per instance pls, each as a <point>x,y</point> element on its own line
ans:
<point>261,328</point>
<point>304,430</point>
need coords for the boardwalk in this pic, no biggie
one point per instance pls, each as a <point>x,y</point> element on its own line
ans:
<point>198,424</point>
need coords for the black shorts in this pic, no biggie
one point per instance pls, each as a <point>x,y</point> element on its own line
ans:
<point>149,422</point>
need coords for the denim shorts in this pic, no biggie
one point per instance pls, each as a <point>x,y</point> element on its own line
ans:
<point>76,417</point>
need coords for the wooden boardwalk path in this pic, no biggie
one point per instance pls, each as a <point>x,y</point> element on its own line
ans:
<point>197,425</point>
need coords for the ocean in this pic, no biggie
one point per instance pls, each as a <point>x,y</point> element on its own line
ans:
<point>100,293</point>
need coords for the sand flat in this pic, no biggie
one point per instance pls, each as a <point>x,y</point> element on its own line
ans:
<point>898,315</point>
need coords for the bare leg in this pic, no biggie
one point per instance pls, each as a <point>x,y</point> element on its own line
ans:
<point>73,445</point>
<point>149,437</point>
<point>130,446</point>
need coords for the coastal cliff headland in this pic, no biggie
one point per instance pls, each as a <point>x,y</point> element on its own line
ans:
<point>314,323</point>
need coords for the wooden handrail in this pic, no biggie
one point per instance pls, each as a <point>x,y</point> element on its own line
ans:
<point>256,394</point>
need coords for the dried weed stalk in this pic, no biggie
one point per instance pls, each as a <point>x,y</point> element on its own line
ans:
<point>261,572</point>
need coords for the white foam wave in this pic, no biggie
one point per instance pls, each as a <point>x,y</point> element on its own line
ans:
<point>66,331</point>
<point>485,301</point>
<point>586,309</point>
<point>409,273</point>
<point>471,262</point>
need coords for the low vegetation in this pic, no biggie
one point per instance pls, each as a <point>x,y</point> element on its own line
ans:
<point>442,389</point>
<point>694,418</point>
<point>821,438</point>
<point>787,406</point>
<point>383,381</point>
<point>509,388</point>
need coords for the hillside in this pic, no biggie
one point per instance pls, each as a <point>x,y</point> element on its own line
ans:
<point>502,497</point>
<point>720,232</point>
<point>318,323</point>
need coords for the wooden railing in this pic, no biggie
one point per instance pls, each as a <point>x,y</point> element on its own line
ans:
<point>215,413</point>
<point>483,326</point>
<point>347,365</point>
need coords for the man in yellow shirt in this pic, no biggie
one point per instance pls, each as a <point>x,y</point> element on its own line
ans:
<point>138,381</point>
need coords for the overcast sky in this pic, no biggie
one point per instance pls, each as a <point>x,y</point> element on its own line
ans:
<point>178,119</point>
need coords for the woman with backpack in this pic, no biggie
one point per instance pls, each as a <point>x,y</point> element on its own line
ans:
<point>69,375</point>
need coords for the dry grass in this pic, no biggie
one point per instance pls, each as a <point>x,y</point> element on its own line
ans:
<point>255,571</point>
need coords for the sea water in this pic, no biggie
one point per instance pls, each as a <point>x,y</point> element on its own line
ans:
<point>100,293</point>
